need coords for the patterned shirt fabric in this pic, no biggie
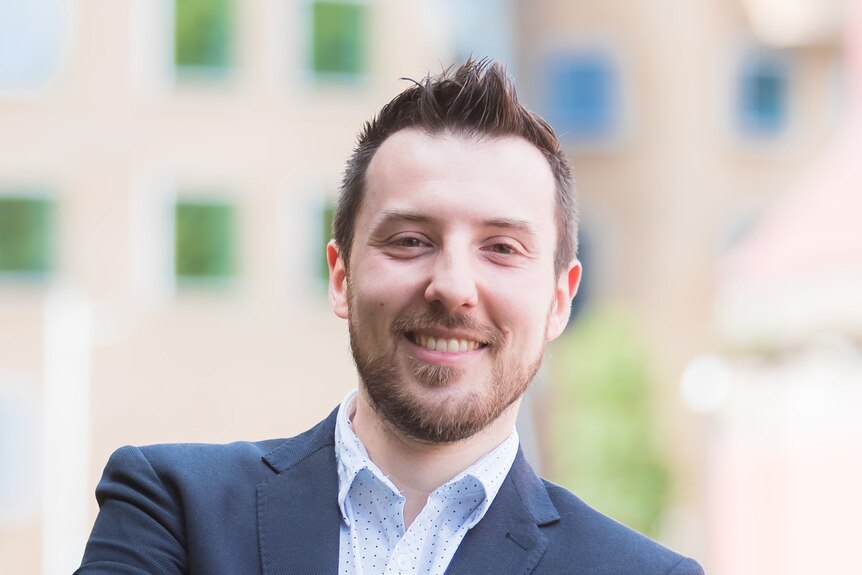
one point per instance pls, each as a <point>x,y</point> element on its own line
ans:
<point>373,538</point>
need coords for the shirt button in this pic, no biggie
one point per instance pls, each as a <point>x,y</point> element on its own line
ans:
<point>403,562</point>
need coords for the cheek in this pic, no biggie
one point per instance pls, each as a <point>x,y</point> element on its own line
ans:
<point>387,285</point>
<point>522,301</point>
<point>532,321</point>
<point>377,298</point>
<point>526,320</point>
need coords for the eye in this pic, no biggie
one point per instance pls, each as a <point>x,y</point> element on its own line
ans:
<point>406,246</point>
<point>407,242</point>
<point>505,249</point>
<point>502,247</point>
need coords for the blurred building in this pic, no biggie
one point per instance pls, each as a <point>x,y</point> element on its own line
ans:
<point>686,122</point>
<point>785,437</point>
<point>167,173</point>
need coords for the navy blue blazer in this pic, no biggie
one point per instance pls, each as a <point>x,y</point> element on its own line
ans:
<point>272,507</point>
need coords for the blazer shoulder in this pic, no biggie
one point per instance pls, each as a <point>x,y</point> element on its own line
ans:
<point>189,464</point>
<point>608,546</point>
<point>161,505</point>
<point>205,454</point>
<point>192,463</point>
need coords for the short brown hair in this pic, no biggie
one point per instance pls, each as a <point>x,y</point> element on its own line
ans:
<point>476,99</point>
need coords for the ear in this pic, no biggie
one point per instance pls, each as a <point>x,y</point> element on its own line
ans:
<point>564,292</point>
<point>337,280</point>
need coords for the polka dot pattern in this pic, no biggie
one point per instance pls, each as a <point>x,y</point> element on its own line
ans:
<point>373,537</point>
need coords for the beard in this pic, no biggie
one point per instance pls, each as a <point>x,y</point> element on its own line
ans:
<point>450,419</point>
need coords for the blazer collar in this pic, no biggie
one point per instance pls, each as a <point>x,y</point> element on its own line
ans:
<point>508,539</point>
<point>297,509</point>
<point>299,520</point>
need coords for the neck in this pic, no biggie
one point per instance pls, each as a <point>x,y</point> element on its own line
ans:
<point>417,468</point>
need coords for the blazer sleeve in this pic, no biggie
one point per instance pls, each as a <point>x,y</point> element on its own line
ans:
<point>139,529</point>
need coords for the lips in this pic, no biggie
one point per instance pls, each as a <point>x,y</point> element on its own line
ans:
<point>444,344</point>
<point>440,332</point>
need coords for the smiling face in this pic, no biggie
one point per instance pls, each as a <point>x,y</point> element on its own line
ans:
<point>451,293</point>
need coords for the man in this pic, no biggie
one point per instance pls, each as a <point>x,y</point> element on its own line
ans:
<point>454,263</point>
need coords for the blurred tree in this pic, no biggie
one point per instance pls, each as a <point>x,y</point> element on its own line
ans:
<point>602,427</point>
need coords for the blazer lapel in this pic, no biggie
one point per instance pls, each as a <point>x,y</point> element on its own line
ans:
<point>297,510</point>
<point>508,539</point>
<point>299,520</point>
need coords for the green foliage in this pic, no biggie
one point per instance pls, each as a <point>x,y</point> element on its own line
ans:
<point>602,425</point>
<point>25,235</point>
<point>204,240</point>
<point>202,33</point>
<point>338,32</point>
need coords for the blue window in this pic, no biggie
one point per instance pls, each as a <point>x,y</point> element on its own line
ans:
<point>19,473</point>
<point>581,95</point>
<point>481,28</point>
<point>32,35</point>
<point>762,98</point>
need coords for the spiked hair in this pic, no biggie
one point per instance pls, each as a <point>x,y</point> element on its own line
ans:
<point>477,99</point>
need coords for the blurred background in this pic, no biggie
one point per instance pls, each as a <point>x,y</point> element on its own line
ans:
<point>168,170</point>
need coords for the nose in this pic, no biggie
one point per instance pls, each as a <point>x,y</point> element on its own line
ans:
<point>452,281</point>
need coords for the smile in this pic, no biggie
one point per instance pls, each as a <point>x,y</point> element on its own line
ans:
<point>444,345</point>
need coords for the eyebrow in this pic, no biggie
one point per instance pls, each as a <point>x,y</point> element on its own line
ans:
<point>388,217</point>
<point>522,226</point>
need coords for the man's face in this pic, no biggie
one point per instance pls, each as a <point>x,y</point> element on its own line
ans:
<point>451,293</point>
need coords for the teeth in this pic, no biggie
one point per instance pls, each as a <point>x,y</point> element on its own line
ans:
<point>446,345</point>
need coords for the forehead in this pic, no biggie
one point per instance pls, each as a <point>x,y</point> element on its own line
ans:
<point>460,175</point>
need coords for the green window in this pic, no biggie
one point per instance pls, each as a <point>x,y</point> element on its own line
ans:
<point>204,240</point>
<point>202,35</point>
<point>327,217</point>
<point>25,234</point>
<point>338,37</point>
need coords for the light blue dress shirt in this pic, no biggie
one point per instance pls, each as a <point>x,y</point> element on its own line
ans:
<point>373,538</point>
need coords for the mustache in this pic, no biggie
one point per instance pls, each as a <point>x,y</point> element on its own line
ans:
<point>436,318</point>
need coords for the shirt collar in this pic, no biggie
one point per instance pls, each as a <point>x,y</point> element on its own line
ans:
<point>490,470</point>
<point>351,454</point>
